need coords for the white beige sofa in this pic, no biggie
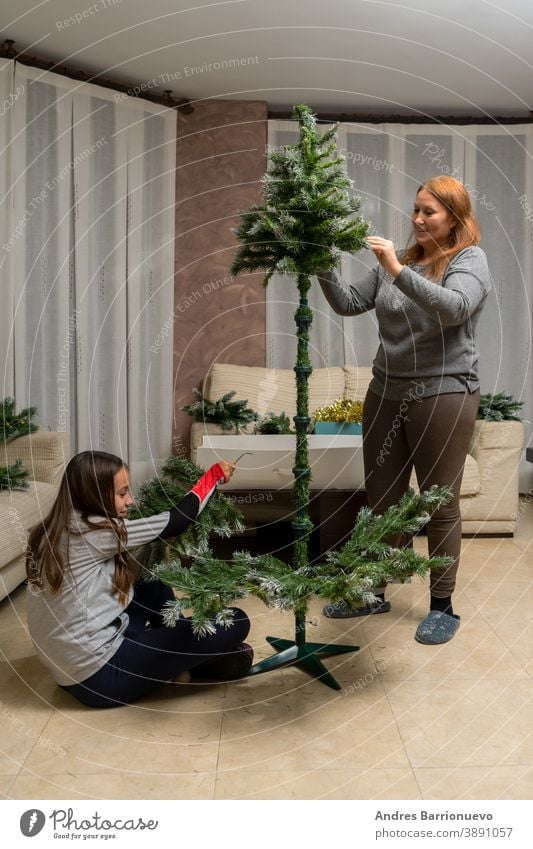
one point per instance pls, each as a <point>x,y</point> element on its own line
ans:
<point>489,491</point>
<point>44,455</point>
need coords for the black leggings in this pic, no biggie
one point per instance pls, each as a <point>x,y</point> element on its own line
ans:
<point>433,435</point>
<point>151,654</point>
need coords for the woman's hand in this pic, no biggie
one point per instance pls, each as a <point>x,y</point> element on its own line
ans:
<point>228,468</point>
<point>385,253</point>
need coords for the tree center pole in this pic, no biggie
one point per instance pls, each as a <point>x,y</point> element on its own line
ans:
<point>302,524</point>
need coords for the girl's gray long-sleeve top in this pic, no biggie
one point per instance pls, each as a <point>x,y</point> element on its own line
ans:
<point>427,329</point>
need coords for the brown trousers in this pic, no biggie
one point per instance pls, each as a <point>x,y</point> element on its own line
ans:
<point>433,435</point>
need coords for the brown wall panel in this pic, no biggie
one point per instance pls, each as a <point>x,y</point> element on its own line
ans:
<point>220,162</point>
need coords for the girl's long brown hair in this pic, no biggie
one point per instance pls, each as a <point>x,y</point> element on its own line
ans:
<point>87,486</point>
<point>452,194</point>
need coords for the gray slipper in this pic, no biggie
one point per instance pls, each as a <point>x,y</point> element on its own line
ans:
<point>437,628</point>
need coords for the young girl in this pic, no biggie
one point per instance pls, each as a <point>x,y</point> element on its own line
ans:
<point>98,630</point>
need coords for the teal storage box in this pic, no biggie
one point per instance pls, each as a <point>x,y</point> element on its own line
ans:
<point>342,428</point>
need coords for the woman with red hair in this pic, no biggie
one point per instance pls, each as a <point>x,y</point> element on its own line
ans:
<point>422,401</point>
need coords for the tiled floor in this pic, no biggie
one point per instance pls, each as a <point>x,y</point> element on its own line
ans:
<point>411,722</point>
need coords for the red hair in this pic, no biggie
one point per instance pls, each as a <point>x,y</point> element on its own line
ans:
<point>452,194</point>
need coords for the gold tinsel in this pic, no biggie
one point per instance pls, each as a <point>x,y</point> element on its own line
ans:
<point>342,410</point>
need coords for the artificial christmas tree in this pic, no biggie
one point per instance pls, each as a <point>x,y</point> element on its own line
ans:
<point>307,219</point>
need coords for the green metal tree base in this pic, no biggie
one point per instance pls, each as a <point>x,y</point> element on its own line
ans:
<point>306,656</point>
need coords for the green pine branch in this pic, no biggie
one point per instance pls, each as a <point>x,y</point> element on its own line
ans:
<point>159,494</point>
<point>13,424</point>
<point>499,408</point>
<point>13,476</point>
<point>226,413</point>
<point>210,586</point>
<point>307,217</point>
<point>271,423</point>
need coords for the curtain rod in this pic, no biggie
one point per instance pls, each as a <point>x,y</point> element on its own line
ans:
<point>140,90</point>
<point>361,118</point>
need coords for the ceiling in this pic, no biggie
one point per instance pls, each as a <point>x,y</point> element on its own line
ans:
<point>462,57</point>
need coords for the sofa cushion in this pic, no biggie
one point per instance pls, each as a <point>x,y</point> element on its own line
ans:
<point>325,386</point>
<point>271,389</point>
<point>12,575</point>
<point>498,436</point>
<point>471,483</point>
<point>43,454</point>
<point>20,510</point>
<point>357,379</point>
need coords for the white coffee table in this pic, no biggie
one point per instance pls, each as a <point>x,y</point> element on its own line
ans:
<point>336,461</point>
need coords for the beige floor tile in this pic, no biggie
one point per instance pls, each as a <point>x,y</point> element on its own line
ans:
<point>519,638</point>
<point>508,608</point>
<point>5,784</point>
<point>476,652</point>
<point>15,645</point>
<point>25,675</point>
<point>23,716</point>
<point>169,732</point>
<point>15,641</point>
<point>112,786</point>
<point>523,534</point>
<point>284,724</point>
<point>319,784</point>
<point>497,782</point>
<point>494,560</point>
<point>464,723</point>
<point>460,713</point>
<point>502,600</point>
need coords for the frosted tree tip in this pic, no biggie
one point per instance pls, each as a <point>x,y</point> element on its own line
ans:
<point>304,115</point>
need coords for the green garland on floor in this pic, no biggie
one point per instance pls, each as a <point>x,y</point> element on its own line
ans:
<point>12,426</point>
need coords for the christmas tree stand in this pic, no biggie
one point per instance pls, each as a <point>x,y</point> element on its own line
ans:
<point>305,655</point>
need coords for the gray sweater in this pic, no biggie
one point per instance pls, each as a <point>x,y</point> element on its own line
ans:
<point>427,329</point>
<point>78,630</point>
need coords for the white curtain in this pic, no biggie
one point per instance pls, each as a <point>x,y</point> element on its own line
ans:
<point>91,248</point>
<point>387,163</point>
<point>7,101</point>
